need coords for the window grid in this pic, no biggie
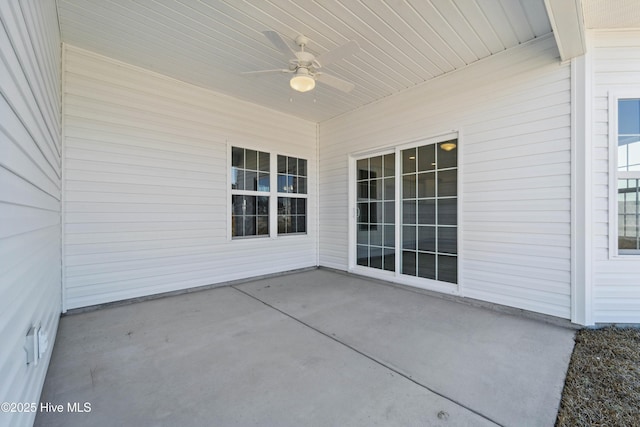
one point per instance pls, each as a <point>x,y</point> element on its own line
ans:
<point>292,215</point>
<point>292,175</point>
<point>250,186</point>
<point>250,170</point>
<point>429,211</point>
<point>251,192</point>
<point>292,190</point>
<point>628,214</point>
<point>250,215</point>
<point>376,212</point>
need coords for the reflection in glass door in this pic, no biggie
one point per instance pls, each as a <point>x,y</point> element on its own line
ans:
<point>375,212</point>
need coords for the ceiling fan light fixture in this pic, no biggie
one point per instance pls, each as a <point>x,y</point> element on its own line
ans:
<point>306,67</point>
<point>302,81</point>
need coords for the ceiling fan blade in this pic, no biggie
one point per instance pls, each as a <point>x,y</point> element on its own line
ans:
<point>338,53</point>
<point>278,71</point>
<point>277,40</point>
<point>335,82</point>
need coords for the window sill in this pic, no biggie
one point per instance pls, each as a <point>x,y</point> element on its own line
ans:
<point>625,257</point>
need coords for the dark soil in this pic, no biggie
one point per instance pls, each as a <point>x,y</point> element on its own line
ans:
<point>602,387</point>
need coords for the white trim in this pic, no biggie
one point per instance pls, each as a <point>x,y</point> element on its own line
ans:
<point>613,162</point>
<point>626,174</point>
<point>228,197</point>
<point>273,201</point>
<point>581,192</point>
<point>460,190</point>
<point>352,204</point>
<point>629,92</point>
<point>317,195</point>
<point>576,312</point>
<point>351,213</point>
<point>567,21</point>
<point>254,192</point>
<point>398,212</point>
<point>63,275</point>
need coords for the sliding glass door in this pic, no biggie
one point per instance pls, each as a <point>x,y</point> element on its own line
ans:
<point>406,213</point>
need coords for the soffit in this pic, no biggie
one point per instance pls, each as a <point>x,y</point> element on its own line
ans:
<point>611,14</point>
<point>209,43</point>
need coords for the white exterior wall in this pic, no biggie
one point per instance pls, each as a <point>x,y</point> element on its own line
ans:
<point>616,284</point>
<point>29,194</point>
<point>513,114</point>
<point>146,191</point>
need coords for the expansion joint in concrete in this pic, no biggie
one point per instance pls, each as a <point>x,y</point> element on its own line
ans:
<point>368,356</point>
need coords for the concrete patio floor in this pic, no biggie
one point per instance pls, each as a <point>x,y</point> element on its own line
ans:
<point>312,348</point>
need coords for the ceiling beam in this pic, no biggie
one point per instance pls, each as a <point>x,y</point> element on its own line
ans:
<point>567,21</point>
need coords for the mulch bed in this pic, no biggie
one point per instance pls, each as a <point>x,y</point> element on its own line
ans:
<point>602,387</point>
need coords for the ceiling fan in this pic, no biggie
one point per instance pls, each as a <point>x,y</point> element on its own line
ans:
<point>305,67</point>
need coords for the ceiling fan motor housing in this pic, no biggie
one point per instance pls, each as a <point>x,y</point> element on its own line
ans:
<point>305,60</point>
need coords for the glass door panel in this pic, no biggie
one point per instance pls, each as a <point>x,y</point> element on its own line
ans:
<point>375,212</point>
<point>429,211</point>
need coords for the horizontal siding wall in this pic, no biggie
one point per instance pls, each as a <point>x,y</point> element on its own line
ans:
<point>30,144</point>
<point>616,66</point>
<point>146,198</point>
<point>513,114</point>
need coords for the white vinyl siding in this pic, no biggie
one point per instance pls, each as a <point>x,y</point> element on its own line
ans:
<point>513,114</point>
<point>30,180</point>
<point>147,183</point>
<point>616,284</point>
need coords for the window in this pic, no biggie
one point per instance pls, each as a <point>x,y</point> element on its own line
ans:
<point>292,191</point>
<point>250,184</point>
<point>253,191</point>
<point>628,175</point>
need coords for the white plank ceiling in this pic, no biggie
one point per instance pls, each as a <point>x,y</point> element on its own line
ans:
<point>209,43</point>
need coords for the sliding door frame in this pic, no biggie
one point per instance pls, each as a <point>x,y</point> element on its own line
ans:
<point>396,276</point>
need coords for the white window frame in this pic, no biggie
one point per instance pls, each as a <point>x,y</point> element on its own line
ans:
<point>614,174</point>
<point>291,196</point>
<point>233,192</point>
<point>273,194</point>
<point>353,267</point>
